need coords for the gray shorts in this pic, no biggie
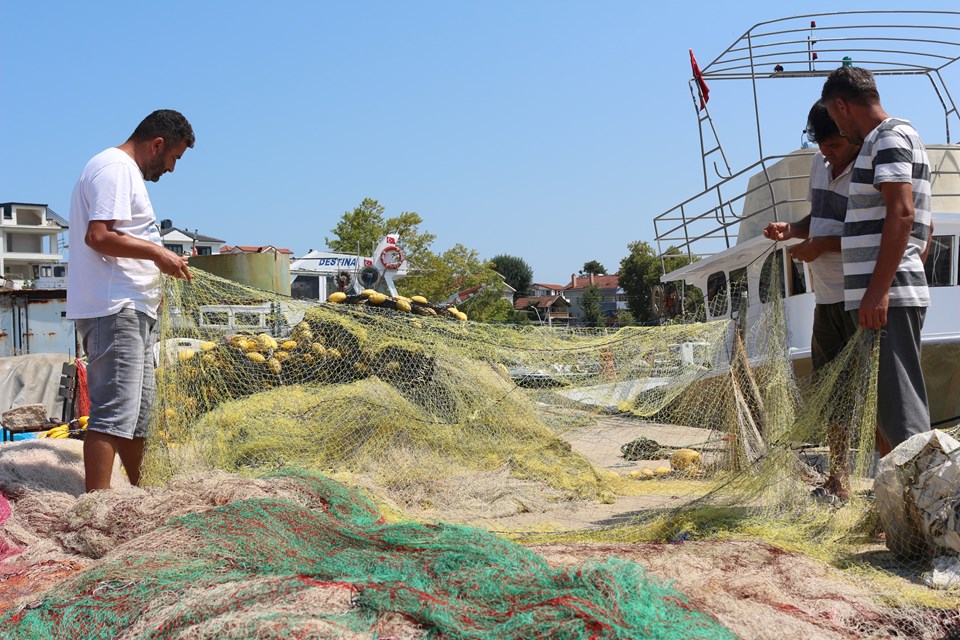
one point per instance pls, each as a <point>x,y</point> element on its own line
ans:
<point>902,409</point>
<point>832,329</point>
<point>120,377</point>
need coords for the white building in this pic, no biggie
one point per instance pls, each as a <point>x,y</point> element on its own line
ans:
<point>186,243</point>
<point>31,236</point>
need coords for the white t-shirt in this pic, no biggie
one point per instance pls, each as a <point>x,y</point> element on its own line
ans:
<point>828,199</point>
<point>111,187</point>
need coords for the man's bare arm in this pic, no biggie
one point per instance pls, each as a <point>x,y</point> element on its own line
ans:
<point>102,237</point>
<point>812,248</point>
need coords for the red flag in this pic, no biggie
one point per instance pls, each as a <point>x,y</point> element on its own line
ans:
<point>701,83</point>
<point>193,252</point>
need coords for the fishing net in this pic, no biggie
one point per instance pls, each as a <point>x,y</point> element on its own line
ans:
<point>443,418</point>
<point>315,559</point>
<point>692,435</point>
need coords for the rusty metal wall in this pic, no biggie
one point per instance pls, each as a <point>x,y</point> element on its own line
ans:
<point>34,321</point>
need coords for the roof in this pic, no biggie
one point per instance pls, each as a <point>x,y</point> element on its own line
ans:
<point>466,294</point>
<point>545,285</point>
<point>193,235</point>
<point>246,248</point>
<point>56,217</point>
<point>603,282</point>
<point>51,214</point>
<point>541,302</point>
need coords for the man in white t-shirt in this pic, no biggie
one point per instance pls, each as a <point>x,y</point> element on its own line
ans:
<point>113,288</point>
<point>821,229</point>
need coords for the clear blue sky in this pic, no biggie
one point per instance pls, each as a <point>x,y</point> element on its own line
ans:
<point>554,131</point>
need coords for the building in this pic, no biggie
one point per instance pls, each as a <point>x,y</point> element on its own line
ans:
<point>31,236</point>
<point>189,243</point>
<point>248,248</point>
<point>550,309</point>
<point>506,293</point>
<point>612,298</point>
<point>539,289</point>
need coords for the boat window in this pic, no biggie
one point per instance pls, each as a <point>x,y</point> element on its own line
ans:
<point>937,266</point>
<point>739,296</point>
<point>717,294</point>
<point>798,278</point>
<point>772,272</point>
<point>305,287</point>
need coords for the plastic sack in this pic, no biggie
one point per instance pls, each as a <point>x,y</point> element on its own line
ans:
<point>918,496</point>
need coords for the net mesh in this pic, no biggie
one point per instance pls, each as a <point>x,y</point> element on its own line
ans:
<point>323,563</point>
<point>682,433</point>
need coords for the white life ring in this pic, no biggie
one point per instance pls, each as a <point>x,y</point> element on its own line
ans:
<point>394,260</point>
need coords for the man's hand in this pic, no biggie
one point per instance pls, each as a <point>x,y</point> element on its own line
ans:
<point>873,310</point>
<point>778,231</point>
<point>173,265</point>
<point>808,250</point>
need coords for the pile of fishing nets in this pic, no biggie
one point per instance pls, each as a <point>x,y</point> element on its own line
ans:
<point>595,439</point>
<point>294,554</point>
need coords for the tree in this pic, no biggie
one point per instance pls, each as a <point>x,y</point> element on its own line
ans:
<point>640,271</point>
<point>625,318</point>
<point>415,243</point>
<point>456,269</point>
<point>515,271</point>
<point>361,229</point>
<point>488,305</point>
<point>594,267</point>
<point>590,303</point>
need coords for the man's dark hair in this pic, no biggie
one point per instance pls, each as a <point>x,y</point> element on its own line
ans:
<point>167,124</point>
<point>820,126</point>
<point>853,84</point>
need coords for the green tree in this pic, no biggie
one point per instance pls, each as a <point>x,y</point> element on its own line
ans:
<point>590,303</point>
<point>625,318</point>
<point>456,269</point>
<point>487,305</point>
<point>364,227</point>
<point>359,229</point>
<point>640,271</point>
<point>515,271</point>
<point>415,243</point>
<point>594,267</point>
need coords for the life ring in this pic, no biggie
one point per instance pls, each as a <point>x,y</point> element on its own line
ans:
<point>394,260</point>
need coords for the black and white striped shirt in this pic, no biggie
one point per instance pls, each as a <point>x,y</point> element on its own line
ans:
<point>828,210</point>
<point>892,152</point>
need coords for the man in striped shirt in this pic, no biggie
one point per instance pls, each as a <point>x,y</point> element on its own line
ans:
<point>885,232</point>
<point>833,327</point>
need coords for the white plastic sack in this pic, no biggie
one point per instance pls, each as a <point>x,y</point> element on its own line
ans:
<point>918,496</point>
<point>944,574</point>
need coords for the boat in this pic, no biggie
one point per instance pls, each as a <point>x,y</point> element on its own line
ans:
<point>737,271</point>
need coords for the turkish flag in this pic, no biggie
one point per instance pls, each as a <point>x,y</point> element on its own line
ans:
<point>701,83</point>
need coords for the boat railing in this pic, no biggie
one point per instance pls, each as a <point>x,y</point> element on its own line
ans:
<point>710,221</point>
